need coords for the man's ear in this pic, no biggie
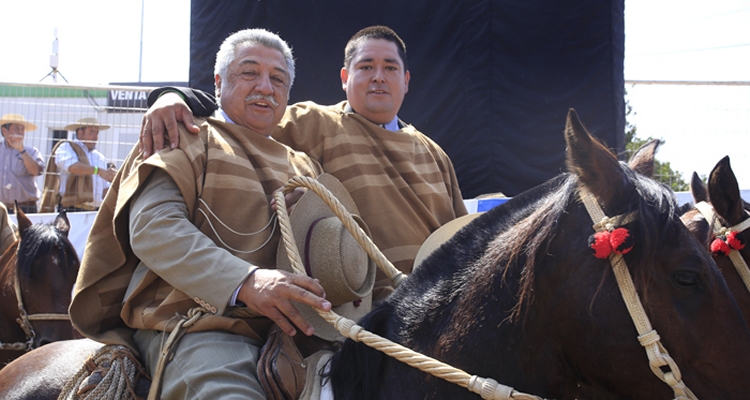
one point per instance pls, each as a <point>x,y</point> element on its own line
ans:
<point>344,78</point>
<point>217,84</point>
<point>407,76</point>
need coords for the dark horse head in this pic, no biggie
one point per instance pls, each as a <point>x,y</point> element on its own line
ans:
<point>45,264</point>
<point>723,195</point>
<point>518,296</point>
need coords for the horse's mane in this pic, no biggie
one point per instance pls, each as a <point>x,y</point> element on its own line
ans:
<point>530,237</point>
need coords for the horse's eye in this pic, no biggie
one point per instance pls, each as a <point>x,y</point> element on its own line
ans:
<point>686,279</point>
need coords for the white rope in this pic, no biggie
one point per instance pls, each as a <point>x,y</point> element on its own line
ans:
<point>657,355</point>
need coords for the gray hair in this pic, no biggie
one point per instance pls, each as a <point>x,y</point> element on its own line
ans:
<point>228,49</point>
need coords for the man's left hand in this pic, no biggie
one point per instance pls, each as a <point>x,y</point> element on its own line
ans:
<point>290,199</point>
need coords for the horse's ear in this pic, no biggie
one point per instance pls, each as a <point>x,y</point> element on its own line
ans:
<point>698,189</point>
<point>23,221</point>
<point>61,223</point>
<point>642,161</point>
<point>724,192</point>
<point>596,167</point>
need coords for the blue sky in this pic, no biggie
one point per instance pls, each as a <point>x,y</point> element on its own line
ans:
<point>100,42</point>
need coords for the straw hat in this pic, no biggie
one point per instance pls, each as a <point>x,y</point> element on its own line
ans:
<point>17,119</point>
<point>83,122</point>
<point>330,254</point>
<point>441,235</point>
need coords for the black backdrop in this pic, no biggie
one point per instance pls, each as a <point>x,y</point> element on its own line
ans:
<point>491,81</point>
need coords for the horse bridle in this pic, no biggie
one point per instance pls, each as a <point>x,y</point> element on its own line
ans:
<point>658,356</point>
<point>718,230</point>
<point>25,321</point>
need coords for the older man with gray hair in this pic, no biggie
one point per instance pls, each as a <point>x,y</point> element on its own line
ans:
<point>192,227</point>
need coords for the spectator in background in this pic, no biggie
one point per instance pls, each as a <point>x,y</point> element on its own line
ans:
<point>19,165</point>
<point>78,174</point>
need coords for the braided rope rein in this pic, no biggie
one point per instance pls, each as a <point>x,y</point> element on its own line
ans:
<point>120,372</point>
<point>658,356</point>
<point>708,212</point>
<point>25,320</point>
<point>487,388</point>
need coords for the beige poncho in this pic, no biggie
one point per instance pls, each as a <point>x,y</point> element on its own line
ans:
<point>234,171</point>
<point>403,183</point>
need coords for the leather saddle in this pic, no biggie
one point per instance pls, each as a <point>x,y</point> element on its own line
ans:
<point>282,367</point>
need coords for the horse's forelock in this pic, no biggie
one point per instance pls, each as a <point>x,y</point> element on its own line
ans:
<point>657,214</point>
<point>656,225</point>
<point>44,239</point>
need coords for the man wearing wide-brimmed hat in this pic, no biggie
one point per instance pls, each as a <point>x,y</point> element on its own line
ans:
<point>19,165</point>
<point>78,174</point>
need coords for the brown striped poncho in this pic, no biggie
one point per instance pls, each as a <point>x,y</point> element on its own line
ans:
<point>402,182</point>
<point>235,171</point>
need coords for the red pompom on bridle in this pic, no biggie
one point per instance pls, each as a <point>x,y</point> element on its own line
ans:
<point>722,245</point>
<point>606,242</point>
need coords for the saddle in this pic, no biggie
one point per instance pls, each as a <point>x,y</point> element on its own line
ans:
<point>282,365</point>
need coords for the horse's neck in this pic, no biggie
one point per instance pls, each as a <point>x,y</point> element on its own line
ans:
<point>8,301</point>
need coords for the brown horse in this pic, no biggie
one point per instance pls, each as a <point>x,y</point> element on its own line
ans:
<point>517,296</point>
<point>43,264</point>
<point>730,210</point>
<point>42,373</point>
<point>723,196</point>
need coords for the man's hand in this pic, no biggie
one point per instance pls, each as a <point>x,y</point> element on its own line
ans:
<point>16,142</point>
<point>290,199</point>
<point>269,292</point>
<point>107,174</point>
<point>161,120</point>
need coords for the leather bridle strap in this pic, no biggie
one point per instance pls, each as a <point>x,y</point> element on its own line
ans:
<point>25,318</point>
<point>658,356</point>
<point>717,229</point>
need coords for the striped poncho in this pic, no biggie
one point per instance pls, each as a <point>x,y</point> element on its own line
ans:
<point>403,183</point>
<point>226,169</point>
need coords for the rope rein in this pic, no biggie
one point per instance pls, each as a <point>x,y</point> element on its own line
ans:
<point>658,356</point>
<point>487,388</point>
<point>708,212</point>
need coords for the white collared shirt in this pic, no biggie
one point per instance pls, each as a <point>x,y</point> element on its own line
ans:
<point>66,156</point>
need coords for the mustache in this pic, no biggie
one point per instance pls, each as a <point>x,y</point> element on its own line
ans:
<point>270,99</point>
